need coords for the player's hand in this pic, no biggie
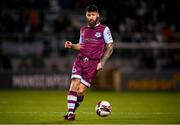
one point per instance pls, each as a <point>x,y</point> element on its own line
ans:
<point>99,66</point>
<point>68,44</point>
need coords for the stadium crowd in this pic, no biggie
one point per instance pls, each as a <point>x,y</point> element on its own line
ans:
<point>32,32</point>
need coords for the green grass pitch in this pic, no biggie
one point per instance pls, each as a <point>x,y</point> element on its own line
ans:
<point>49,106</point>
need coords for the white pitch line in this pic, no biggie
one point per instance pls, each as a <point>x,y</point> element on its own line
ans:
<point>90,113</point>
<point>32,112</point>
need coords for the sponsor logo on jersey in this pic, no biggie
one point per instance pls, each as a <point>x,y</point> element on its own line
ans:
<point>90,39</point>
<point>109,35</point>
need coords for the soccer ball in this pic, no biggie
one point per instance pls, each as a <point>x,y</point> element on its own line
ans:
<point>103,108</point>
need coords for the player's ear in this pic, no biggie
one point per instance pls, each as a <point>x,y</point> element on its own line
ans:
<point>97,14</point>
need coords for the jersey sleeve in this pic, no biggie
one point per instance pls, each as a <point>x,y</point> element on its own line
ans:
<point>107,35</point>
<point>80,37</point>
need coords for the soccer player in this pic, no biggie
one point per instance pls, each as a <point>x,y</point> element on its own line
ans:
<point>95,47</point>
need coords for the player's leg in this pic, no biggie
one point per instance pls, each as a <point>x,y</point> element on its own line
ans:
<point>86,80</point>
<point>72,93</point>
<point>72,98</point>
<point>80,94</point>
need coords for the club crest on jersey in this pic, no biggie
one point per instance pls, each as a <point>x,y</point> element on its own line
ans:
<point>98,34</point>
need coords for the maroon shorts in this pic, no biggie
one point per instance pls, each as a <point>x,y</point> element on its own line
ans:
<point>84,69</point>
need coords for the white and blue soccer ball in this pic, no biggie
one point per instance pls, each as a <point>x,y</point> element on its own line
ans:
<point>103,108</point>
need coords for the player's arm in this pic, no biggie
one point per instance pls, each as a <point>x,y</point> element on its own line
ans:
<point>106,56</point>
<point>70,45</point>
<point>108,50</point>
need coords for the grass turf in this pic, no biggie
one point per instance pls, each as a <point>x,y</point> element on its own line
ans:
<point>49,106</point>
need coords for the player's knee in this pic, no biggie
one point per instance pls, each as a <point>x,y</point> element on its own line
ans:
<point>75,84</point>
<point>82,89</point>
<point>73,87</point>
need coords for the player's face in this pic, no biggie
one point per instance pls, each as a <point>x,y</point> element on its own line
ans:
<point>92,18</point>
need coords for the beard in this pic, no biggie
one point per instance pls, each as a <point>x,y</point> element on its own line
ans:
<point>92,23</point>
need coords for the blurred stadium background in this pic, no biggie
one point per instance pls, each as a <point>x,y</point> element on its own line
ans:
<point>146,40</point>
<point>35,68</point>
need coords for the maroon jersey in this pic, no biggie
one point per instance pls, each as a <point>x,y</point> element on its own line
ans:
<point>93,41</point>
